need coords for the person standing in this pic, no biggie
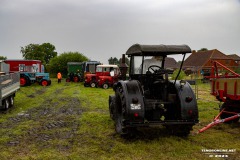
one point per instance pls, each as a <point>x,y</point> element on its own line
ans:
<point>59,77</point>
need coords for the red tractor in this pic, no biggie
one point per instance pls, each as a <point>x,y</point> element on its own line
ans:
<point>109,77</point>
<point>105,76</point>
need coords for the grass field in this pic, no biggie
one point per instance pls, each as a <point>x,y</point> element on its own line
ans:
<point>69,121</point>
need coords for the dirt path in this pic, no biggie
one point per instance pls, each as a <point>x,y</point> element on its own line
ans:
<point>55,120</point>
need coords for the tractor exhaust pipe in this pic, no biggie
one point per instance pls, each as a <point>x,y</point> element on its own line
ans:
<point>123,68</point>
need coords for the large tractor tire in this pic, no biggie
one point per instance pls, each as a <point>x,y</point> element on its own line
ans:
<point>120,108</point>
<point>24,81</point>
<point>112,105</point>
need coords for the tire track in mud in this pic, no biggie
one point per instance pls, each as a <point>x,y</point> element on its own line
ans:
<point>56,119</point>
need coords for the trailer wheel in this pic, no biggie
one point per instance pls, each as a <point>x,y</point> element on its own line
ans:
<point>105,86</point>
<point>6,104</point>
<point>11,101</point>
<point>44,82</point>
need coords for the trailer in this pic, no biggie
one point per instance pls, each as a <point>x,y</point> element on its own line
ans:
<point>9,84</point>
<point>226,88</point>
<point>31,71</point>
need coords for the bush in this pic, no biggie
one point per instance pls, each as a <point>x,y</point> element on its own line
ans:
<point>59,63</point>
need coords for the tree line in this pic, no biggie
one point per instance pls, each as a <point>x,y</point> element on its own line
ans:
<point>53,62</point>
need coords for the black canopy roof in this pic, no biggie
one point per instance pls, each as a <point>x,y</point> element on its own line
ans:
<point>157,50</point>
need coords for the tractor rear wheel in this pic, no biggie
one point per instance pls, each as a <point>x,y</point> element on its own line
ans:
<point>24,81</point>
<point>119,109</point>
<point>112,105</point>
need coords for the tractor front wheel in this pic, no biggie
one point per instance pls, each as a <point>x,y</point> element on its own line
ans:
<point>105,86</point>
<point>44,82</point>
<point>93,84</point>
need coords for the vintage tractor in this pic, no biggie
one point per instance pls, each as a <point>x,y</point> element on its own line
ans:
<point>149,98</point>
<point>74,72</point>
<point>107,75</point>
<point>104,76</point>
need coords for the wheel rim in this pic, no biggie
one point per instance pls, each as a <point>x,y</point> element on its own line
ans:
<point>11,101</point>
<point>6,104</point>
<point>22,81</point>
<point>93,85</point>
<point>44,83</point>
<point>105,86</point>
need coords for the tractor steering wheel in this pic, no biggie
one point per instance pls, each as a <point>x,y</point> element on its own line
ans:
<point>154,70</point>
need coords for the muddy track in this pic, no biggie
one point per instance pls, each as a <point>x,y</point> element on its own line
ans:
<point>56,118</point>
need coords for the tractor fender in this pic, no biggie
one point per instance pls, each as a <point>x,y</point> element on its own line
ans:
<point>133,96</point>
<point>188,102</point>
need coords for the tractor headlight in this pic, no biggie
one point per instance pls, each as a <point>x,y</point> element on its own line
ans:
<point>182,83</point>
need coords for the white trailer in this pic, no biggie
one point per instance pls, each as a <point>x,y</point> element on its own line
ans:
<point>9,84</point>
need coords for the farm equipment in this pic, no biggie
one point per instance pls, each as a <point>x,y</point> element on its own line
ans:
<point>31,71</point>
<point>226,88</point>
<point>9,84</point>
<point>89,67</point>
<point>107,75</point>
<point>149,98</point>
<point>104,77</point>
<point>74,72</point>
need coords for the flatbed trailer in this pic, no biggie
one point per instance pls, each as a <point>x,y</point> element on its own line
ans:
<point>9,84</point>
<point>226,88</point>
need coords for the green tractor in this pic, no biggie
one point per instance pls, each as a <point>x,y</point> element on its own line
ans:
<point>74,72</point>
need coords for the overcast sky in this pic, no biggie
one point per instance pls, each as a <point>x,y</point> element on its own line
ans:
<point>101,29</point>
